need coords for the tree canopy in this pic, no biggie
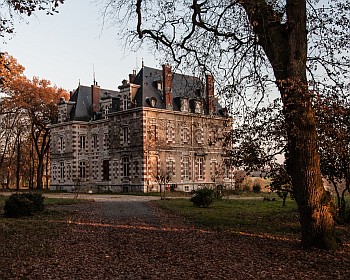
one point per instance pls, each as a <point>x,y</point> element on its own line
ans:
<point>11,9</point>
<point>298,47</point>
<point>26,112</point>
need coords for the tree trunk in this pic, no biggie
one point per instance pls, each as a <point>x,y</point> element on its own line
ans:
<point>40,173</point>
<point>285,45</point>
<point>18,167</point>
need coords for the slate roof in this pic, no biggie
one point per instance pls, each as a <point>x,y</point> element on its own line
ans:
<point>182,86</point>
<point>82,109</point>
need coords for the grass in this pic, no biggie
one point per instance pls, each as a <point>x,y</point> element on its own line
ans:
<point>253,216</point>
<point>247,215</point>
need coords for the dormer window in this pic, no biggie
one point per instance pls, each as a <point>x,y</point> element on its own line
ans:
<point>106,111</point>
<point>158,84</point>
<point>152,101</point>
<point>125,103</point>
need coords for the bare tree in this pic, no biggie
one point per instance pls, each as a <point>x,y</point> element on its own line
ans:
<point>254,46</point>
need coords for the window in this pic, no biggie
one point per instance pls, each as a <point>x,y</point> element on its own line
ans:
<point>115,169</point>
<point>171,167</point>
<point>105,168</point>
<point>82,169</point>
<point>226,171</point>
<point>62,170</point>
<point>106,111</point>
<point>125,134</point>
<point>186,188</point>
<point>61,144</point>
<point>69,172</point>
<point>137,169</point>
<point>170,133</point>
<point>95,141</point>
<point>200,168</point>
<point>82,142</point>
<point>199,136</point>
<point>125,102</point>
<point>105,140</point>
<point>185,168</point>
<point>54,172</point>
<point>185,135</point>
<point>154,131</point>
<point>126,167</point>
<point>94,170</point>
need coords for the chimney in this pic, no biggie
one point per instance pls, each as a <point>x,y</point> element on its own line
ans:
<point>95,97</point>
<point>167,85</point>
<point>210,94</point>
<point>132,77</point>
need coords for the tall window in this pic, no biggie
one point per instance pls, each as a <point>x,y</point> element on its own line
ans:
<point>69,172</point>
<point>106,111</point>
<point>136,169</point>
<point>54,172</point>
<point>62,170</point>
<point>200,168</point>
<point>185,168</point>
<point>170,133</point>
<point>105,169</point>
<point>82,169</point>
<point>61,144</point>
<point>171,167</point>
<point>95,141</point>
<point>82,142</point>
<point>115,169</point>
<point>154,131</point>
<point>185,135</point>
<point>125,102</point>
<point>126,167</point>
<point>125,134</point>
<point>105,140</point>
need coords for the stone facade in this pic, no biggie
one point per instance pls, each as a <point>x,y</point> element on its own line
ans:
<point>157,124</point>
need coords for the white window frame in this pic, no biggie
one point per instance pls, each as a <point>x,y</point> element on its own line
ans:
<point>82,142</point>
<point>200,166</point>
<point>126,167</point>
<point>82,169</point>
<point>185,168</point>
<point>185,134</point>
<point>125,134</point>
<point>62,170</point>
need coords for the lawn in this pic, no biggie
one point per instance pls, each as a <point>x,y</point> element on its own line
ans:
<point>251,216</point>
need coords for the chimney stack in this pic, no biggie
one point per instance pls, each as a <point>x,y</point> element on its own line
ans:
<point>95,98</point>
<point>210,94</point>
<point>167,85</point>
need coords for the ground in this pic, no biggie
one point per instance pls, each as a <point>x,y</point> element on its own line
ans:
<point>131,238</point>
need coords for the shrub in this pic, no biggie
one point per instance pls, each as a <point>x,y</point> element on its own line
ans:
<point>256,188</point>
<point>24,204</point>
<point>203,197</point>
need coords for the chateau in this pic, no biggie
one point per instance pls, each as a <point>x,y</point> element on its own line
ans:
<point>159,126</point>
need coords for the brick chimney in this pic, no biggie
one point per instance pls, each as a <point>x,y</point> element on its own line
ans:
<point>95,97</point>
<point>167,85</point>
<point>132,76</point>
<point>210,94</point>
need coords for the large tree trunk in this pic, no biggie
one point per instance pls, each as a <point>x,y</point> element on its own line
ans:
<point>285,44</point>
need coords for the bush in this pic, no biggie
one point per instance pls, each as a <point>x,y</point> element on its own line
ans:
<point>256,188</point>
<point>25,204</point>
<point>203,197</point>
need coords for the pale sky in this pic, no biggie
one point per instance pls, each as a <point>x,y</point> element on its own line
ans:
<point>66,47</point>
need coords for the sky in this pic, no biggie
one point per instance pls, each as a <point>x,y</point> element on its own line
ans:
<point>70,46</point>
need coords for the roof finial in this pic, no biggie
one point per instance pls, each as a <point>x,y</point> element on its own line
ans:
<point>142,63</point>
<point>93,70</point>
<point>79,82</point>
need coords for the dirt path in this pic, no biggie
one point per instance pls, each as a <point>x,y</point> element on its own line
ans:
<point>129,239</point>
